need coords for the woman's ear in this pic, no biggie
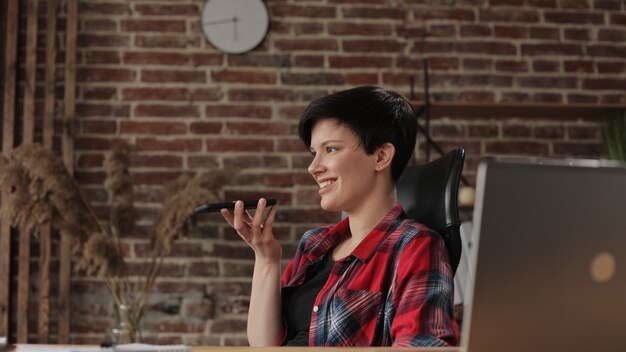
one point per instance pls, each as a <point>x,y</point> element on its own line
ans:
<point>384,156</point>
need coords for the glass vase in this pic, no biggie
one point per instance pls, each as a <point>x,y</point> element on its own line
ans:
<point>126,329</point>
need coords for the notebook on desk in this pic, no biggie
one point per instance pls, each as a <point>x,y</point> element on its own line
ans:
<point>550,263</point>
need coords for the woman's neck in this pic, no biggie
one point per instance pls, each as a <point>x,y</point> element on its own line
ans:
<point>370,213</point>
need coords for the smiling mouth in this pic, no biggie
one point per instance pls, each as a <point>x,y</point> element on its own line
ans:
<point>326,184</point>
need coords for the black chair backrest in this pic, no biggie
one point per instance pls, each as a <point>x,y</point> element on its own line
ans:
<point>429,192</point>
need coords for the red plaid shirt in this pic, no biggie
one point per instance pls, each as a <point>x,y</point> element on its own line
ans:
<point>395,289</point>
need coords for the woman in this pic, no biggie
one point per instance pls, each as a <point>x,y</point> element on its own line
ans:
<point>374,279</point>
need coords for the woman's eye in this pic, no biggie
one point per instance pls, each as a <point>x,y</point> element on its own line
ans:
<point>330,149</point>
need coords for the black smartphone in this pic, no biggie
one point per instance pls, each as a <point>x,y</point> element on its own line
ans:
<point>216,207</point>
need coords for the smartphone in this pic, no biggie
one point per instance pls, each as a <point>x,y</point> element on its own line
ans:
<point>216,207</point>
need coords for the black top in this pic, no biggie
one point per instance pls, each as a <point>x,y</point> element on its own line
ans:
<point>300,304</point>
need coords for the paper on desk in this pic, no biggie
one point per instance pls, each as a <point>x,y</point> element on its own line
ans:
<point>133,347</point>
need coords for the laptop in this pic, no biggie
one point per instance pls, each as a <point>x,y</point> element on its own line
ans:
<point>549,266</point>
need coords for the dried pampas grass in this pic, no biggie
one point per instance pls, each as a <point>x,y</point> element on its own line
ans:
<point>38,191</point>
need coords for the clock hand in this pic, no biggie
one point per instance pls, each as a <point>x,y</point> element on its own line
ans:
<point>226,20</point>
<point>235,20</point>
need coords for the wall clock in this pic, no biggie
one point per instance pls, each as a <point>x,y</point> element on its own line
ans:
<point>235,26</point>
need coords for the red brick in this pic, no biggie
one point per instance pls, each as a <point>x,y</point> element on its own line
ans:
<point>506,2</point>
<point>87,110</point>
<point>260,95</point>
<point>239,145</point>
<point>308,61</point>
<point>516,131</point>
<point>611,67</point>
<point>179,145</point>
<point>584,132</point>
<point>255,161</point>
<point>99,126</point>
<point>166,110</point>
<point>613,99</point>
<point>574,4</point>
<point>160,76</point>
<point>306,44</point>
<point>99,93</point>
<point>477,64</point>
<point>358,61</point>
<point>207,59</point>
<point>173,94</point>
<point>374,12</point>
<point>238,111</point>
<point>496,48</point>
<point>100,25</point>
<point>253,77</point>
<point>373,45</point>
<point>204,269</point>
<point>261,128</point>
<point>260,60</point>
<point>515,147</point>
<point>317,79</point>
<point>515,97</point>
<point>577,34</point>
<point>542,3</point>
<point>156,58</point>
<point>202,161</point>
<point>228,326</point>
<point>578,66</point>
<point>605,83</point>
<point>612,35</point>
<point>308,28</point>
<point>108,8</point>
<point>510,32</point>
<point>90,160</point>
<point>441,30</point>
<point>506,15</point>
<point>362,29</point>
<point>617,51</point>
<point>164,41</point>
<point>581,150</point>
<point>168,26</point>
<point>607,4</point>
<point>410,31</point>
<point>93,143</point>
<point>552,33</point>
<point>208,94</point>
<point>167,10</point>
<point>105,40</point>
<point>618,19</point>
<point>307,11</point>
<point>102,57</point>
<point>475,30</point>
<point>511,66</point>
<point>547,98</point>
<point>551,49</point>
<point>547,82</point>
<point>357,79</point>
<point>205,127</point>
<point>291,111</point>
<point>156,161</point>
<point>549,132</point>
<point>424,14</point>
<point>546,66</point>
<point>152,127</point>
<point>477,96</point>
<point>573,17</point>
<point>582,98</point>
<point>291,145</point>
<point>483,131</point>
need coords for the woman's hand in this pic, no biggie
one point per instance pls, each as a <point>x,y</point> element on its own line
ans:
<point>256,231</point>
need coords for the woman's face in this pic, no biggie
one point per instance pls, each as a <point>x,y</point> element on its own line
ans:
<point>342,169</point>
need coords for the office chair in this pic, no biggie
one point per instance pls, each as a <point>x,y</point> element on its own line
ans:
<point>428,193</point>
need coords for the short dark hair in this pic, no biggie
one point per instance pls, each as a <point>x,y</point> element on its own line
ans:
<point>374,114</point>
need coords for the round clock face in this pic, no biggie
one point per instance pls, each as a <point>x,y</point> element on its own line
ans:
<point>235,26</point>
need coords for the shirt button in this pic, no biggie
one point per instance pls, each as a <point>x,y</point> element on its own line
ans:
<point>315,309</point>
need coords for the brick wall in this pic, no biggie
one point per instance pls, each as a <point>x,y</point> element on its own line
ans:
<point>147,76</point>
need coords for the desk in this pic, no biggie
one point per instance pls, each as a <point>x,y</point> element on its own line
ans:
<point>301,349</point>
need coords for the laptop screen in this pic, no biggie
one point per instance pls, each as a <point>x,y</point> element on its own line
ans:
<point>550,262</point>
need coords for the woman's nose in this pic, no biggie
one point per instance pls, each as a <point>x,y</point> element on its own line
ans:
<point>315,166</point>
